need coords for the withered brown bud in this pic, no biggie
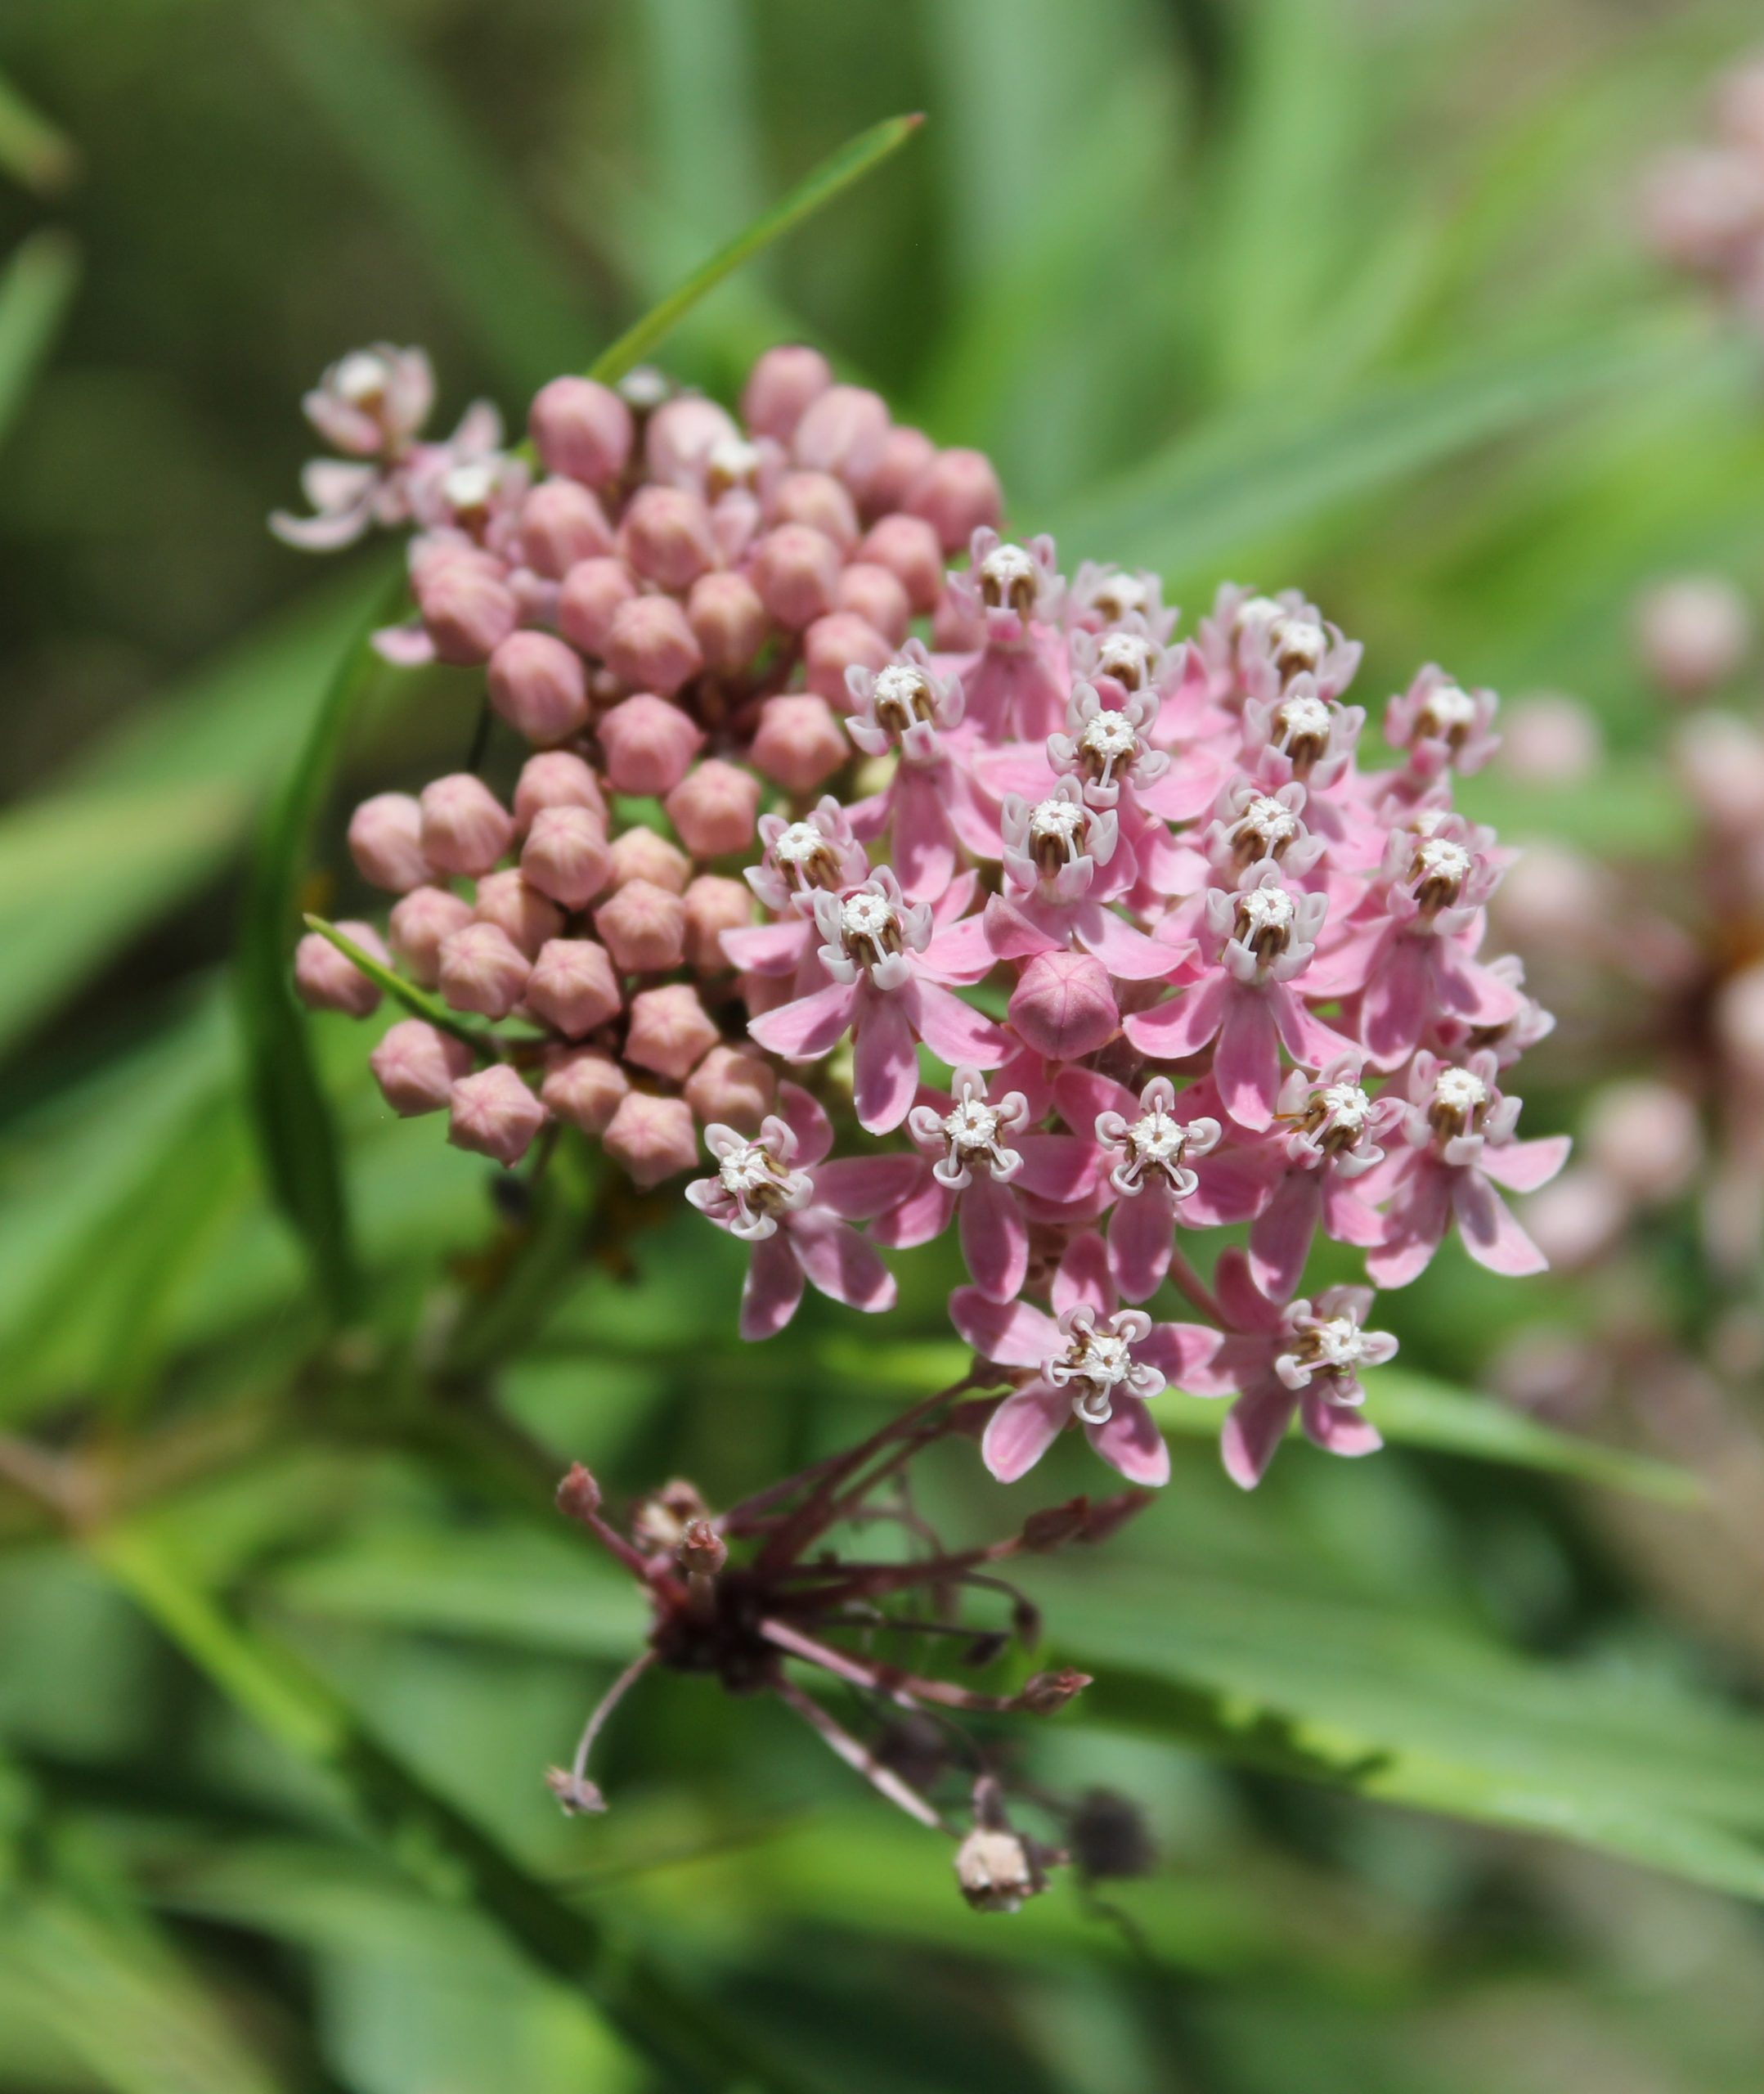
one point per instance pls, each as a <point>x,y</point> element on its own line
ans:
<point>1110,1836</point>
<point>1055,1524</point>
<point>1048,1691</point>
<point>702,1550</point>
<point>578,1494</point>
<point>996,1870</point>
<point>576,1795</point>
<point>1114,1513</point>
<point>661,1521</point>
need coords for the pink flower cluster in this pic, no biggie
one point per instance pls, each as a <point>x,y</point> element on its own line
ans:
<point>1189,963</point>
<point>1703,206</point>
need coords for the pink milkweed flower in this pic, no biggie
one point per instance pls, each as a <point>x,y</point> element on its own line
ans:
<point>1331,1131</point>
<point>1460,1134</point>
<point>373,403</point>
<point>1016,690</point>
<point>886,992</point>
<point>980,1165</point>
<point>1276,640</point>
<point>1251,825</point>
<point>1304,1358</point>
<point>1265,934</point>
<point>1105,746</point>
<point>1091,1360</point>
<point>1443,727</point>
<point>1152,1155</point>
<point>817,855</point>
<point>1055,856</point>
<point>929,803</point>
<point>777,1191</point>
<point>1510,1042</point>
<point>1300,732</point>
<point>1100,597</point>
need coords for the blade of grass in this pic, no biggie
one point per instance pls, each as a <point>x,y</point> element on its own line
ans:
<point>32,150</point>
<point>35,292</point>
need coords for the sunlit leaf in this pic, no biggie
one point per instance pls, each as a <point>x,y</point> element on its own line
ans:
<point>32,150</point>
<point>36,289</point>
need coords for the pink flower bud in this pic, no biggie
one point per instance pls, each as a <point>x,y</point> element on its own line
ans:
<point>526,916</point>
<point>539,686</point>
<point>562,523</point>
<point>845,431</point>
<point>639,854</point>
<point>572,986</point>
<point>907,547</point>
<point>419,922</point>
<point>1551,741</point>
<point>652,1139</point>
<point>1063,1006</point>
<point>799,743</point>
<point>796,572</point>
<point>581,429</point>
<point>820,501</point>
<point>907,456</point>
<point>484,970</point>
<point>593,591</point>
<point>1739,106</point>
<point>875,594</point>
<point>648,744</point>
<point>958,493</point>
<point>1576,1218</point>
<point>465,828</point>
<point>713,809</point>
<point>1739,1023</point>
<point>781,388</point>
<point>1645,1136</point>
<point>714,904</point>
<point>386,843</point>
<point>556,778</point>
<point>734,1086</point>
<point>1721,758</point>
<point>566,857</point>
<point>643,927</point>
<point>328,982</point>
<point>670,1031</point>
<point>650,646</point>
<point>665,535</point>
<point>681,434</point>
<point>494,1114</point>
<point>840,642</point>
<point>1695,634</point>
<point>416,1067</point>
<point>466,612</point>
<point>584,1087</point>
<point>728,620</point>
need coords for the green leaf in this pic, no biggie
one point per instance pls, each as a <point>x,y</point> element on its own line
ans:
<point>32,150</point>
<point>850,164</point>
<point>295,1128</point>
<point>35,292</point>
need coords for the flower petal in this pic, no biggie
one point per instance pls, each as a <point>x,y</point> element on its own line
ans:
<point>1129,1439</point>
<point>1023,1428</point>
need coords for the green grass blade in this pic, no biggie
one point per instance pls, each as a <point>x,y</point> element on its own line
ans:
<point>850,163</point>
<point>295,1130</point>
<point>32,150</point>
<point>35,292</point>
<point>475,1032</point>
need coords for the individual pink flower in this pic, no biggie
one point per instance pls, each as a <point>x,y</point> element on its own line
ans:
<point>1015,689</point>
<point>1459,1132</point>
<point>1329,1135</point>
<point>928,806</point>
<point>1150,1153</point>
<point>1442,726</point>
<point>1091,1360</point>
<point>777,1193</point>
<point>1057,856</point>
<point>884,989</point>
<point>1304,1359</point>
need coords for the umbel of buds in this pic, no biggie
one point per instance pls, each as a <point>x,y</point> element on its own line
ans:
<point>802,775</point>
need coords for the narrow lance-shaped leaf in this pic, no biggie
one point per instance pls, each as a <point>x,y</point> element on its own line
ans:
<point>475,1032</point>
<point>35,291</point>
<point>32,150</point>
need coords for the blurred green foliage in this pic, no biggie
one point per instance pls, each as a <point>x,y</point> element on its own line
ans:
<point>1330,292</point>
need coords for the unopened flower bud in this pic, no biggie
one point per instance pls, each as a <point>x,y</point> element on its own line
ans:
<point>566,857</point>
<point>1048,1691</point>
<point>713,809</point>
<point>643,927</point>
<point>584,1088</point>
<point>1644,1136</point>
<point>728,621</point>
<point>562,523</point>
<point>820,501</point>
<point>996,1870</point>
<point>1695,634</point>
<point>798,743</point>
<point>1739,1023</point>
<point>386,843</point>
<point>539,686</point>
<point>956,494</point>
<point>907,547</point>
<point>1721,758</point>
<point>652,1139</point>
<point>1108,1837</point>
<point>875,594</point>
<point>680,435</point>
<point>576,1795</point>
<point>593,594</point>
<point>518,909</point>
<point>733,1086</point>
<point>1576,1218</point>
<point>907,456</point>
<point>420,921</point>
<point>467,613</point>
<point>578,1494</point>
<point>484,970</point>
<point>1063,1006</point>
<point>665,535</point>
<point>327,980</point>
<point>703,1551</point>
<point>416,1067</point>
<point>581,429</point>
<point>650,646</point>
<point>573,987</point>
<point>465,828</point>
<point>714,904</point>
<point>781,388</point>
<point>494,1114</point>
<point>841,640</point>
<point>670,1031</point>
<point>844,431</point>
<point>1551,741</point>
<point>648,744</point>
<point>796,570</point>
<point>556,778</point>
<point>639,854</point>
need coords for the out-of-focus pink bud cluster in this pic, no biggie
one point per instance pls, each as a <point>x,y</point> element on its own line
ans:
<point>1703,206</point>
<point>800,783</point>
